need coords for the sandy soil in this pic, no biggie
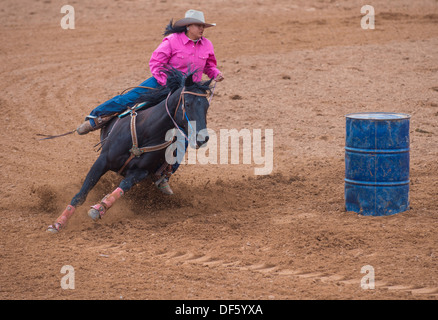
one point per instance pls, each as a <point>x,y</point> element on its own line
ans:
<point>297,67</point>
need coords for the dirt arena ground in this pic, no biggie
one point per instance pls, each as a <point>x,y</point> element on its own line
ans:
<point>297,67</point>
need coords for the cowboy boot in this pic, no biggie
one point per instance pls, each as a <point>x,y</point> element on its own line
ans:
<point>163,186</point>
<point>84,128</point>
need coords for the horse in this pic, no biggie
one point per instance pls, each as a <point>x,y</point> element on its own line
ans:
<point>135,146</point>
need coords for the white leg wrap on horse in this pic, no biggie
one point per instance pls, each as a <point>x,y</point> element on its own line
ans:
<point>63,218</point>
<point>109,199</point>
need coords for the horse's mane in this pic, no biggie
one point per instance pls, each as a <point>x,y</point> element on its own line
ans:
<point>175,80</point>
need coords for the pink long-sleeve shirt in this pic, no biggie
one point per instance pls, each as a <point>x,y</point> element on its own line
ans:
<point>179,51</point>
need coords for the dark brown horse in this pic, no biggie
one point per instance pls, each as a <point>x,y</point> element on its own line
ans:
<point>176,105</point>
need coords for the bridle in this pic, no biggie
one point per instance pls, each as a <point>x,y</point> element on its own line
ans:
<point>181,98</point>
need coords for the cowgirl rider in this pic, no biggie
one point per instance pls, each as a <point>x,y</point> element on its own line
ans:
<point>184,47</point>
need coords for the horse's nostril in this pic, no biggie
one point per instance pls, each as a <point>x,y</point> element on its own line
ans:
<point>203,137</point>
<point>202,141</point>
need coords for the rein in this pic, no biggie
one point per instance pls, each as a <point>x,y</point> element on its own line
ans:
<point>48,137</point>
<point>135,150</point>
<point>150,88</point>
<point>212,93</point>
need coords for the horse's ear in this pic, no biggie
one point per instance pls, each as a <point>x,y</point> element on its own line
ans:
<point>189,81</point>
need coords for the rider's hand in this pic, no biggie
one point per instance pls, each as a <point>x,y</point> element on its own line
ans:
<point>219,77</point>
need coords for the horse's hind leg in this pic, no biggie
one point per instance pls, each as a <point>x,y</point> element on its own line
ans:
<point>96,172</point>
<point>133,177</point>
<point>98,210</point>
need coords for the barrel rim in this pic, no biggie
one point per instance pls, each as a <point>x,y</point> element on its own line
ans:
<point>377,184</point>
<point>377,151</point>
<point>357,114</point>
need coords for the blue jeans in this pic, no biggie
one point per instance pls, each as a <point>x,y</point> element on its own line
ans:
<point>120,103</point>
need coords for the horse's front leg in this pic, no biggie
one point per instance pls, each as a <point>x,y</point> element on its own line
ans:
<point>132,178</point>
<point>98,169</point>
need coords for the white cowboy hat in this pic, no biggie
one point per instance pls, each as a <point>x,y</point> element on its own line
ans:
<point>193,16</point>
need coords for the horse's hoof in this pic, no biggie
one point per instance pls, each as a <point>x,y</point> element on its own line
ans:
<point>94,214</point>
<point>52,229</point>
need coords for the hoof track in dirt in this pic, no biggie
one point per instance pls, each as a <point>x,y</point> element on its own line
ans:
<point>186,258</point>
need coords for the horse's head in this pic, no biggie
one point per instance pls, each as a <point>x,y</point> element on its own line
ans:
<point>192,114</point>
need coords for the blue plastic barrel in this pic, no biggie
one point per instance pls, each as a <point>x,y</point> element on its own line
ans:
<point>377,163</point>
